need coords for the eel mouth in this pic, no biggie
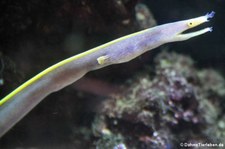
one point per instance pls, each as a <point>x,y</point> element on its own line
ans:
<point>196,22</point>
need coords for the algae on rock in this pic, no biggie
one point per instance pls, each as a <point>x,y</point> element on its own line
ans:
<point>179,104</point>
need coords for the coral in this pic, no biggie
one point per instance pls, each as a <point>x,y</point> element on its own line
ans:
<point>177,104</point>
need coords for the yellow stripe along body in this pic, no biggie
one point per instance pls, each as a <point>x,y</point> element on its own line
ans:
<point>18,103</point>
<point>52,68</point>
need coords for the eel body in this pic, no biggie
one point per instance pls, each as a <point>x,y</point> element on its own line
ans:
<point>18,103</point>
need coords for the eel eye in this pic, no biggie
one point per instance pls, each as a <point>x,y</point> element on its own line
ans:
<point>190,24</point>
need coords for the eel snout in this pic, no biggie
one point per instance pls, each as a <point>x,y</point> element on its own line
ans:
<point>191,23</point>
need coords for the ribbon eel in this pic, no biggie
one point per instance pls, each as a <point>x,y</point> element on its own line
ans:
<point>18,103</point>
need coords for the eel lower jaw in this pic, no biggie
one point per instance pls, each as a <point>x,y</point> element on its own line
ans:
<point>181,37</point>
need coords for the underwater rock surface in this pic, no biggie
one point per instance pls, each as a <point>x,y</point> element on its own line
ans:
<point>180,103</point>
